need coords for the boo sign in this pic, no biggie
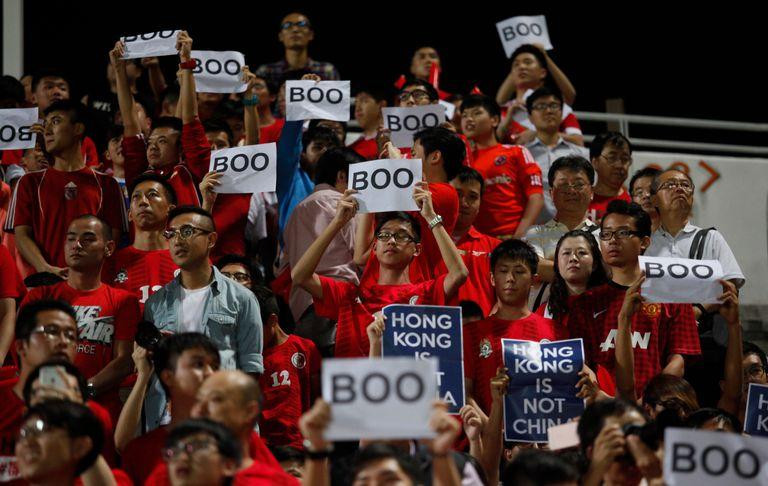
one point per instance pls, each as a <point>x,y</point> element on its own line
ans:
<point>247,169</point>
<point>542,387</point>
<point>324,100</point>
<point>681,280</point>
<point>385,185</point>
<point>218,71</point>
<point>405,121</point>
<point>16,128</point>
<point>161,43</point>
<point>423,331</point>
<point>516,31</point>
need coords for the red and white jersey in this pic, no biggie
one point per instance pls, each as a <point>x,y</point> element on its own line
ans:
<point>140,272</point>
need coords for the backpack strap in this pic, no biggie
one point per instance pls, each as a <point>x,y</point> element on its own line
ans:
<point>697,246</point>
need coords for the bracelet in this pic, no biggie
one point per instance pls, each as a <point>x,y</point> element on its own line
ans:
<point>188,64</point>
<point>254,101</point>
<point>437,220</point>
<point>314,455</point>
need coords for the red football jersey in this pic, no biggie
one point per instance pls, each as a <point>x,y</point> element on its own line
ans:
<point>140,272</point>
<point>290,383</point>
<point>658,331</point>
<point>258,474</point>
<point>352,307</point>
<point>271,133</point>
<point>511,177</point>
<point>366,147</point>
<point>144,453</point>
<point>483,353</point>
<point>599,204</point>
<point>11,413</point>
<point>11,285</point>
<point>48,200</point>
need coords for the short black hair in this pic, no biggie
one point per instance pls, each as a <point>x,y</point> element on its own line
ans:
<point>333,161</point>
<point>752,348</point>
<point>69,368</point>
<point>11,90</point>
<point>77,420</point>
<point>530,49</point>
<point>541,93</point>
<point>593,418</point>
<point>655,183</point>
<point>268,304</point>
<point>317,122</point>
<point>218,125</point>
<point>287,453</point>
<point>168,122</point>
<point>106,229</point>
<point>40,74</point>
<point>379,451</point>
<point>516,250</point>
<point>231,258</point>
<point>608,138</point>
<point>26,320</point>
<point>449,144</point>
<point>171,347</point>
<point>431,91</point>
<point>482,101</point>
<point>178,211</point>
<point>533,467</point>
<point>226,442</point>
<point>375,89</point>
<point>75,110</point>
<point>471,309</point>
<point>575,163</point>
<point>320,134</point>
<point>633,210</point>
<point>382,218</point>
<point>170,192</point>
<point>651,172</point>
<point>703,415</point>
<point>468,174</point>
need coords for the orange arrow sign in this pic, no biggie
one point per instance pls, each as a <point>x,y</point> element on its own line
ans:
<point>714,175</point>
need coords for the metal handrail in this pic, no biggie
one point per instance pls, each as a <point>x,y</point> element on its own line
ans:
<point>699,146</point>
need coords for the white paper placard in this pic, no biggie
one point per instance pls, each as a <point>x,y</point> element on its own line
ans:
<point>247,169</point>
<point>450,109</point>
<point>219,72</point>
<point>162,43</point>
<point>310,100</point>
<point>387,398</point>
<point>385,185</point>
<point>15,128</point>
<point>516,31</point>
<point>680,280</point>
<point>403,122</point>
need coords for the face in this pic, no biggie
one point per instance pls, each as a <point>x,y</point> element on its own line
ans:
<point>261,90</point>
<point>188,251</point>
<point>477,122</point>
<point>86,248</point>
<point>547,113</point>
<point>115,151</point>
<point>218,140</point>
<point>753,370</point>
<point>674,193</point>
<point>621,252</point>
<point>527,71</point>
<point>395,253</point>
<point>367,111</point>
<point>612,166</point>
<point>220,399</point>
<point>34,159</point>
<point>382,472</point>
<point>571,191</point>
<point>237,272</point>
<point>512,280</point>
<point>414,95</point>
<point>50,89</point>
<point>469,200</point>
<point>26,81</point>
<point>195,460</point>
<point>149,206</point>
<point>575,260</point>
<point>60,133</point>
<point>209,99</point>
<point>44,452</point>
<point>163,147</point>
<point>641,194</point>
<point>314,151</point>
<point>281,101</point>
<point>422,62</point>
<point>295,31</point>
<point>54,337</point>
<point>620,472</point>
<point>337,128</point>
<point>294,467</point>
<point>237,127</point>
<point>193,367</point>
<point>717,425</point>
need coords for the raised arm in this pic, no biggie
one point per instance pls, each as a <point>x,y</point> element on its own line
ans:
<point>558,76</point>
<point>130,415</point>
<point>187,94</point>
<point>625,357</point>
<point>730,400</point>
<point>447,430</point>
<point>493,439</point>
<point>124,96</point>
<point>363,238</point>
<point>250,109</point>
<point>375,331</point>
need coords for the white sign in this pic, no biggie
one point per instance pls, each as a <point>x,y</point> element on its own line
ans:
<point>218,71</point>
<point>324,100</point>
<point>450,109</point>
<point>699,457</point>
<point>403,122</point>
<point>681,280</point>
<point>16,128</point>
<point>521,30</point>
<point>385,185</point>
<point>162,43</point>
<point>388,398</point>
<point>247,169</point>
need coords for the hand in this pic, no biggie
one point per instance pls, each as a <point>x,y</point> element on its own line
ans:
<point>71,392</point>
<point>500,384</point>
<point>474,421</point>
<point>61,272</point>
<point>540,46</point>
<point>311,77</point>
<point>375,329</point>
<point>346,208</point>
<point>141,360</point>
<point>587,385</point>
<point>251,79</point>
<point>116,55</point>
<point>148,62</point>
<point>184,46</point>
<point>383,135</point>
<point>527,136</point>
<point>645,459</point>
<point>446,427</point>
<point>207,186</point>
<point>423,199</point>
<point>313,424</point>
<point>392,152</point>
<point>729,308</point>
<point>632,299</point>
<point>609,444</point>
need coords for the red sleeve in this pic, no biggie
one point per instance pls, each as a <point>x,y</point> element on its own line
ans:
<point>113,207</point>
<point>570,124</point>
<point>126,315</point>
<point>529,174</point>
<point>159,476</point>
<point>335,294</point>
<point>9,282</point>
<point>90,153</point>
<point>683,334</point>
<point>434,290</point>
<point>260,453</point>
<point>11,156</point>
<point>23,202</point>
<point>135,155</point>
<point>196,149</point>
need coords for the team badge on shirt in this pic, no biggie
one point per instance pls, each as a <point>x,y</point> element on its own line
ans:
<point>121,276</point>
<point>70,191</point>
<point>299,360</point>
<point>500,160</point>
<point>651,310</point>
<point>485,348</point>
<point>413,300</point>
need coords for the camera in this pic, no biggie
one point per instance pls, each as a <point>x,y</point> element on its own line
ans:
<point>147,335</point>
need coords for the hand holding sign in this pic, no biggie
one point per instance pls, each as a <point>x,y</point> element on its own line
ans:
<point>447,429</point>
<point>729,308</point>
<point>681,280</point>
<point>516,31</point>
<point>162,43</point>
<point>385,185</point>
<point>184,46</point>
<point>632,299</point>
<point>423,199</point>
<point>219,71</point>
<point>208,189</point>
<point>324,100</point>
<point>346,208</point>
<point>403,122</point>
<point>246,169</point>
<point>474,420</point>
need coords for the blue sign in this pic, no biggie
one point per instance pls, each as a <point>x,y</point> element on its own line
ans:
<point>542,387</point>
<point>756,417</point>
<point>423,331</point>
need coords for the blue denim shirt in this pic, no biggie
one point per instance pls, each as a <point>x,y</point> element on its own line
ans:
<point>231,319</point>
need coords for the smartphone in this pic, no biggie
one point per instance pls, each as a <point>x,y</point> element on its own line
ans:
<point>50,377</point>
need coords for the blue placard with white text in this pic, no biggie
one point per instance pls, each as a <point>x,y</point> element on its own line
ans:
<point>756,416</point>
<point>542,387</point>
<point>421,331</point>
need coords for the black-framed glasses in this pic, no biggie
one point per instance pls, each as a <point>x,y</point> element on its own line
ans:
<point>547,106</point>
<point>399,237</point>
<point>576,186</point>
<point>52,331</point>
<point>185,232</point>
<point>191,447</point>
<point>237,276</point>
<point>617,159</point>
<point>685,185</point>
<point>621,234</point>
<point>417,94</point>
<point>299,23</point>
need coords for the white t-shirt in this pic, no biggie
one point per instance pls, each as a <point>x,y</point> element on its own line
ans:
<point>191,309</point>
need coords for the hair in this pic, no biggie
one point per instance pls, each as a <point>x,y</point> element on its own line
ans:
<point>383,218</point>
<point>613,138</point>
<point>374,89</point>
<point>317,123</point>
<point>168,122</point>
<point>558,294</point>
<point>379,451</point>
<point>106,229</point>
<point>468,174</point>
<point>541,93</point>
<point>77,420</point>
<point>644,172</point>
<point>533,467</point>
<point>178,211</point>
<point>575,163</point>
<point>531,49</point>
<point>46,73</point>
<point>76,111</point>
<point>471,309</point>
<point>482,101</point>
<point>320,134</point>
<point>697,419</point>
<point>170,348</point>
<point>69,368</point>
<point>683,397</point>
<point>219,125</point>
<point>170,192</point>
<point>11,89</point>
<point>226,442</point>
<point>333,161</point>
<point>287,453</point>
<point>26,320</point>
<point>633,210</point>
<point>752,348</point>
<point>449,144</point>
<point>593,419</point>
<point>516,250</point>
<point>656,182</point>
<point>268,304</point>
<point>434,96</point>
<point>171,94</point>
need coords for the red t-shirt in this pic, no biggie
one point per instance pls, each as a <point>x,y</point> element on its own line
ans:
<point>290,385</point>
<point>11,414</point>
<point>599,204</point>
<point>511,177</point>
<point>141,273</point>
<point>11,285</point>
<point>48,200</point>
<point>483,353</point>
<point>258,474</point>
<point>366,147</point>
<point>658,331</point>
<point>352,307</point>
<point>144,453</point>
<point>271,133</point>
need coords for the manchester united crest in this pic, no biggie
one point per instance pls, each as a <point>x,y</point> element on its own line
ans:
<point>485,348</point>
<point>299,360</point>
<point>121,276</point>
<point>651,310</point>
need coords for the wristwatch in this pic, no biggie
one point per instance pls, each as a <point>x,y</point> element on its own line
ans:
<point>434,222</point>
<point>313,454</point>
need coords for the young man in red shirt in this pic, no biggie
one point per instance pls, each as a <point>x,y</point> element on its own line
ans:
<point>45,202</point>
<point>513,265</point>
<point>513,196</point>
<point>270,127</point>
<point>661,333</point>
<point>397,242</point>
<point>106,316</point>
<point>368,104</point>
<point>611,156</point>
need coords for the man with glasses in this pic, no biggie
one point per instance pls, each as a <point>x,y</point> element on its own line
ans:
<point>545,108</point>
<point>640,190</point>
<point>417,92</point>
<point>201,452</point>
<point>662,334</point>
<point>611,156</point>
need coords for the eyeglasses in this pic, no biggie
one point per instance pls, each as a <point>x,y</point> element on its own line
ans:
<point>576,186</point>
<point>191,447</point>
<point>547,106</point>
<point>52,332</point>
<point>417,94</point>
<point>754,371</point>
<point>185,232</point>
<point>621,234</point>
<point>686,186</point>
<point>641,193</point>
<point>34,429</point>
<point>399,237</point>
<point>237,276</point>
<point>617,160</point>
<point>300,23</point>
